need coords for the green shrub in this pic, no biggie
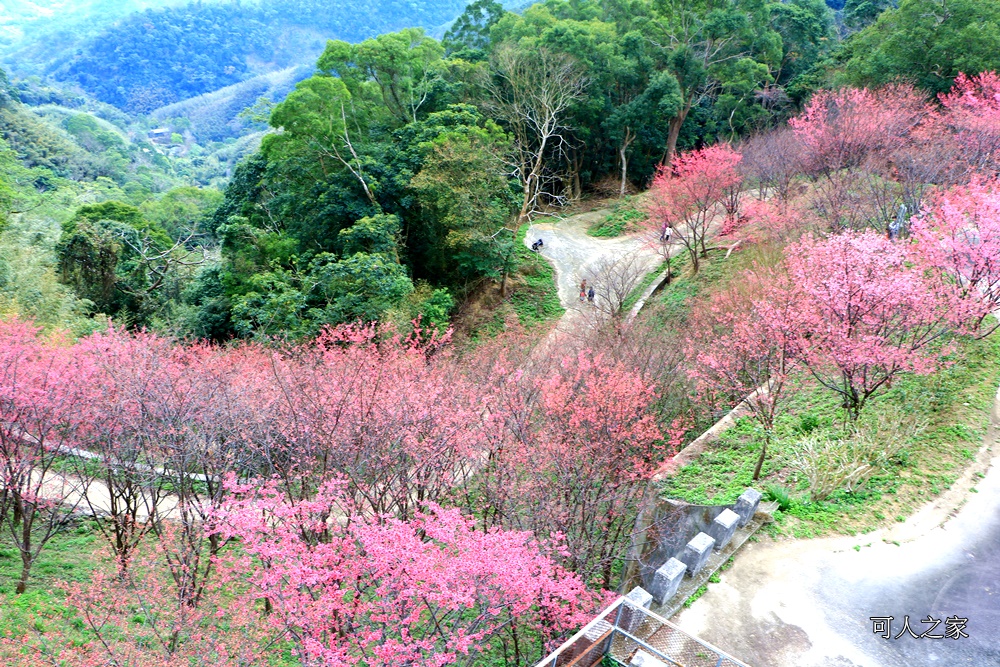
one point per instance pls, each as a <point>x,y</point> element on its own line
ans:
<point>780,495</point>
<point>807,424</point>
<point>830,463</point>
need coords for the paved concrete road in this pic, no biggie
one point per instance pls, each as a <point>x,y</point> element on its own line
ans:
<point>807,603</point>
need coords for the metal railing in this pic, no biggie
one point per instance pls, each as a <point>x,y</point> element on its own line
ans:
<point>623,629</point>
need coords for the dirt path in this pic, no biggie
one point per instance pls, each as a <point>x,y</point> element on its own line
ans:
<point>808,603</point>
<point>575,256</point>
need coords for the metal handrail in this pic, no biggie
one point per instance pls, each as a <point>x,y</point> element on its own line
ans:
<point>552,660</point>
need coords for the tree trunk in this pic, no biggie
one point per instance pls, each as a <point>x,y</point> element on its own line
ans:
<point>523,215</point>
<point>621,153</point>
<point>577,166</point>
<point>675,131</point>
<point>760,461</point>
<point>22,583</point>
<point>623,156</point>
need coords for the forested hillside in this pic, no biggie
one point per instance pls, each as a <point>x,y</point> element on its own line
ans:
<point>395,180</point>
<point>35,35</point>
<point>161,56</point>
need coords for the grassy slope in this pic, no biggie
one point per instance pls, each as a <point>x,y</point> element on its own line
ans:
<point>535,297</point>
<point>626,216</point>
<point>955,402</point>
<point>70,556</point>
<point>532,299</point>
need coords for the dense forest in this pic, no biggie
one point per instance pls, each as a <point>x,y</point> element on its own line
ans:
<point>395,179</point>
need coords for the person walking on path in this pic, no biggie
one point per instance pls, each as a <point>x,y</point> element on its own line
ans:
<point>590,294</point>
<point>583,289</point>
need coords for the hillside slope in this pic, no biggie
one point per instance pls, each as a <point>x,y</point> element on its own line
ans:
<point>165,54</point>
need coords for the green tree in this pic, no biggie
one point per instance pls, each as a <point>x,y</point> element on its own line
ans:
<point>273,305</point>
<point>110,255</point>
<point>185,213</point>
<point>401,68</point>
<point>860,14</point>
<point>807,34</point>
<point>927,42</point>
<point>362,287</point>
<point>376,235</point>
<point>317,121</point>
<point>698,40</point>
<point>8,93</point>
<point>642,116</point>
<point>467,206</point>
<point>469,36</point>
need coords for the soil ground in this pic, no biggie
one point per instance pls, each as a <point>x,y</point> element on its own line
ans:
<point>575,254</point>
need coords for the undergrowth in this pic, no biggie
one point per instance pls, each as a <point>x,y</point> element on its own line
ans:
<point>69,556</point>
<point>626,216</point>
<point>955,403</point>
<point>535,294</point>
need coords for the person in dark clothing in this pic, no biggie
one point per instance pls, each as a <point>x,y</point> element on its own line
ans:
<point>590,295</point>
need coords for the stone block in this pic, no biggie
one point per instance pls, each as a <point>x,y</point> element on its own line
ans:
<point>746,505</point>
<point>667,579</point>
<point>696,552</point>
<point>643,659</point>
<point>724,527</point>
<point>632,611</point>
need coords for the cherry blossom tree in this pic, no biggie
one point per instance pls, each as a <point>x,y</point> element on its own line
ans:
<point>771,161</point>
<point>972,112</point>
<point>356,589</point>
<point>744,344</point>
<point>43,393</point>
<point>136,619</point>
<point>574,444</point>
<point>124,487</point>
<point>842,128</point>
<point>688,195</point>
<point>168,423</point>
<point>393,417</point>
<point>863,313</point>
<point>958,236</point>
<point>849,137</point>
<point>774,222</point>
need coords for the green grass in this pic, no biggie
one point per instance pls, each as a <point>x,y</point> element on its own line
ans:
<point>715,271</point>
<point>532,298</point>
<point>68,557</point>
<point>534,295</point>
<point>955,402</point>
<point>637,291</point>
<point>625,216</point>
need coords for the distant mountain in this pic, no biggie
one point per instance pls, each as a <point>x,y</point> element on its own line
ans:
<point>165,54</point>
<point>21,17</point>
<point>36,33</point>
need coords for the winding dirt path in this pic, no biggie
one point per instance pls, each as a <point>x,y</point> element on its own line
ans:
<point>576,255</point>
